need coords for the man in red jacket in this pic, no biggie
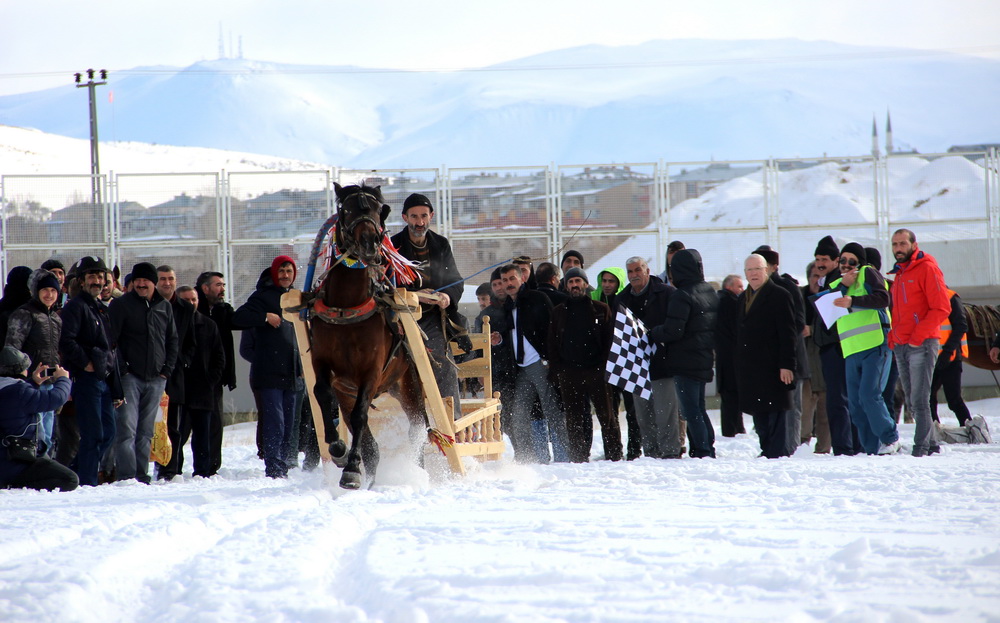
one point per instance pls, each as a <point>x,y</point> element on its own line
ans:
<point>919,306</point>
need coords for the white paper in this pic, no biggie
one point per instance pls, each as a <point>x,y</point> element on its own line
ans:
<point>829,311</point>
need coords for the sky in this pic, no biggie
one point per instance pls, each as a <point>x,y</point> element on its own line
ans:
<point>46,41</point>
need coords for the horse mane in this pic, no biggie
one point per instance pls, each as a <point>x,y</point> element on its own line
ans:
<point>349,191</point>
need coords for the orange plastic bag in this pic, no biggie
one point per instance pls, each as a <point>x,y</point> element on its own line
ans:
<point>160,448</point>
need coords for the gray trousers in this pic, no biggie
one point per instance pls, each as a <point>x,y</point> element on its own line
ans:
<point>445,372</point>
<point>659,420</point>
<point>135,426</point>
<point>793,419</point>
<point>916,368</point>
<point>533,380</point>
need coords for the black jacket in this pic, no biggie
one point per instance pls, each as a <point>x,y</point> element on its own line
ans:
<point>823,336</point>
<point>222,314</point>
<point>791,286</point>
<point>144,335</point>
<point>534,313</point>
<point>502,354</point>
<point>727,322</point>
<point>557,297</point>
<point>274,362</point>
<point>765,343</point>
<point>85,336</point>
<point>688,332</point>
<point>441,269</point>
<point>34,330</point>
<point>580,334</point>
<point>186,341</point>
<point>204,373</point>
<point>651,308</point>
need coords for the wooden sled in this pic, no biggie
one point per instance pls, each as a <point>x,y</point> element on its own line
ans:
<point>477,433</point>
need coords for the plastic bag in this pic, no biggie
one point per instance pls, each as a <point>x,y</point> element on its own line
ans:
<point>160,448</point>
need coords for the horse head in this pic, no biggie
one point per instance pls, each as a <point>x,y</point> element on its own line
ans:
<point>361,221</point>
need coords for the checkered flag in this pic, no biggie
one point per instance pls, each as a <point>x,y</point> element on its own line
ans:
<point>628,360</point>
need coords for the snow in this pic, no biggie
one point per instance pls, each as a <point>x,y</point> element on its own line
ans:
<point>806,538</point>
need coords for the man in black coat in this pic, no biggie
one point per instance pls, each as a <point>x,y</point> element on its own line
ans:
<point>688,337</point>
<point>203,378</point>
<point>726,326</point>
<point>166,286</point>
<point>765,356</point>
<point>145,335</point>
<point>440,274</point>
<point>648,299</point>
<point>530,312</point>
<point>579,340</point>
<point>275,367</point>
<point>211,293</point>
<point>87,355</point>
<point>547,276</point>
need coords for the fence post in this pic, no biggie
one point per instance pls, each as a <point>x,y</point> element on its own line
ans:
<point>772,203</point>
<point>992,162</point>
<point>553,209</point>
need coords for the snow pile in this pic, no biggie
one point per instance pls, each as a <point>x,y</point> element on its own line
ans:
<point>811,537</point>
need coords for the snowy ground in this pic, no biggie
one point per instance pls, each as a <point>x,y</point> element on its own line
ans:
<point>739,538</point>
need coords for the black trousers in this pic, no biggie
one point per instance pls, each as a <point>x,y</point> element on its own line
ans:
<point>837,411</point>
<point>45,475</point>
<point>772,430</point>
<point>633,445</point>
<point>948,375</point>
<point>581,387</point>
<point>731,416</point>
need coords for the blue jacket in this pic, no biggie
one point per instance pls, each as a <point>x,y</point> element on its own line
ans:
<point>20,401</point>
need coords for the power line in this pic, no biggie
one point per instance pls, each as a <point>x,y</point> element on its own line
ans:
<point>508,68</point>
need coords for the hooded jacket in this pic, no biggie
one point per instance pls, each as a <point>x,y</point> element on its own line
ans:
<point>598,293</point>
<point>688,332</point>
<point>274,360</point>
<point>919,300</point>
<point>34,329</point>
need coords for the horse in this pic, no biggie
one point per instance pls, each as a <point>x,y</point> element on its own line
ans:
<point>984,322</point>
<point>357,353</point>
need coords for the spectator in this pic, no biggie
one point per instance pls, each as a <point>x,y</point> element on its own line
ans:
<point>527,333</point>
<point>688,337</point>
<point>15,294</point>
<point>183,311</point>
<point>672,248</point>
<point>503,370</point>
<point>484,296</point>
<point>211,288</point>
<point>85,346</point>
<point>889,394</point>
<point>866,354</point>
<point>814,418</point>
<point>765,356</point>
<point>648,300</point>
<point>573,259</point>
<point>34,329</point>
<point>579,340</point>
<point>920,306</point>
<point>275,366</point>
<point>20,465</point>
<point>948,369</point>
<point>548,283</point>
<point>145,336</point>
<point>58,269</point>
<point>201,382</point>
<point>727,323</point>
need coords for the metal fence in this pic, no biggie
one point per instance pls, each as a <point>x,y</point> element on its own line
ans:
<point>237,222</point>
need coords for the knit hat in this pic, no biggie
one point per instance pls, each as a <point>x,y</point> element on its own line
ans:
<point>13,361</point>
<point>144,270</point>
<point>827,247</point>
<point>874,257</point>
<point>769,254</point>
<point>416,199</point>
<point>276,264</point>
<point>42,278</point>
<point>88,264</point>
<point>857,250</point>
<point>576,271</point>
<point>51,263</point>
<point>572,253</point>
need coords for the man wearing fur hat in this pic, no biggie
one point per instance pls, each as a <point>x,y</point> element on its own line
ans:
<point>20,465</point>
<point>145,336</point>
<point>34,329</point>
<point>866,354</point>
<point>439,269</point>
<point>579,340</point>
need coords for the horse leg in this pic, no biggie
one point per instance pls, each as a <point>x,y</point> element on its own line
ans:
<point>327,400</point>
<point>351,478</point>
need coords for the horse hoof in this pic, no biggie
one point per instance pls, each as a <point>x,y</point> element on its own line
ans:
<point>338,452</point>
<point>350,480</point>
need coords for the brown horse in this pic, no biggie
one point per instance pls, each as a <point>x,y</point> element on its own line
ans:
<point>356,352</point>
<point>984,322</point>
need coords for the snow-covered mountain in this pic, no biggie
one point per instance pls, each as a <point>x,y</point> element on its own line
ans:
<point>672,100</point>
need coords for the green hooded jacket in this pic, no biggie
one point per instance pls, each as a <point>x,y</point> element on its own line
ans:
<point>598,293</point>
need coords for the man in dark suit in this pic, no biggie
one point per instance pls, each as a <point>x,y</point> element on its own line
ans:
<point>765,356</point>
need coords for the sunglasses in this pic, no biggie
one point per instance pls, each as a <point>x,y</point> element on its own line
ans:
<point>848,262</point>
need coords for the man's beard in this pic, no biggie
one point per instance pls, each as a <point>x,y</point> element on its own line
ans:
<point>416,233</point>
<point>576,295</point>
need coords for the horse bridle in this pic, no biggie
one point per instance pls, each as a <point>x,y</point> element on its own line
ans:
<point>350,244</point>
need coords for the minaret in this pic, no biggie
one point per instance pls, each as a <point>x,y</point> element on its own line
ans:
<point>875,153</point>
<point>888,132</point>
<point>222,44</point>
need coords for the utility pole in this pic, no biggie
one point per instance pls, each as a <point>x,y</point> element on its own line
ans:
<point>95,167</point>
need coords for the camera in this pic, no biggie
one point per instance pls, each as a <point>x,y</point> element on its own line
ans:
<point>48,371</point>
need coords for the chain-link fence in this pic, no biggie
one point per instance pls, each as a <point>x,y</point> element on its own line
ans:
<point>236,223</point>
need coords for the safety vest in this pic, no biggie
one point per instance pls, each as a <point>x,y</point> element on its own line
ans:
<point>862,329</point>
<point>946,333</point>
